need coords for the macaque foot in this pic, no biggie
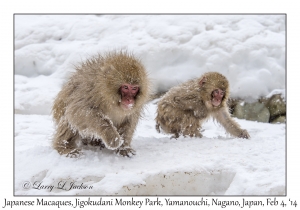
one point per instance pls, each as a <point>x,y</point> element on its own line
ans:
<point>175,136</point>
<point>126,151</point>
<point>198,135</point>
<point>97,142</point>
<point>68,148</point>
<point>72,153</point>
<point>193,134</point>
<point>94,143</point>
<point>244,134</point>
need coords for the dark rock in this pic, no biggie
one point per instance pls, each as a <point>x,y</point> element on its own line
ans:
<point>280,119</point>
<point>276,106</point>
<point>252,111</point>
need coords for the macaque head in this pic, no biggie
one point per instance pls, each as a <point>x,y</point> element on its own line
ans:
<point>123,82</point>
<point>128,94</point>
<point>214,87</point>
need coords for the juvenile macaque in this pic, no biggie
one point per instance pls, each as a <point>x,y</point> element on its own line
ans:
<point>101,104</point>
<point>184,108</point>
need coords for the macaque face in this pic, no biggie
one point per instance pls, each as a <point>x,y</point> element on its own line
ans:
<point>128,93</point>
<point>217,97</point>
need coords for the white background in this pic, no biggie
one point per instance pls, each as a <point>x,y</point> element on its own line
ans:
<point>141,7</point>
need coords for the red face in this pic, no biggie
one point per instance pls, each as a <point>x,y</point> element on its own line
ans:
<point>217,96</point>
<point>128,94</point>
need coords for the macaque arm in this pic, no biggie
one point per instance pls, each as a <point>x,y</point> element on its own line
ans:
<point>224,118</point>
<point>126,130</point>
<point>98,126</point>
<point>65,139</point>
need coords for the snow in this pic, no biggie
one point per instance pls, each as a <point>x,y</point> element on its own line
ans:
<point>217,163</point>
<point>248,49</point>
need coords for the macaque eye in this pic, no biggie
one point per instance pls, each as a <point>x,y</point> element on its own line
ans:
<point>218,92</point>
<point>215,92</point>
<point>125,87</point>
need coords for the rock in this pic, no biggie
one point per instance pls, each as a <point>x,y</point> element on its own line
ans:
<point>252,111</point>
<point>264,100</point>
<point>276,106</point>
<point>280,119</point>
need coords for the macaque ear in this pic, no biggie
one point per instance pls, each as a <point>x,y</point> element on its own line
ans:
<point>202,81</point>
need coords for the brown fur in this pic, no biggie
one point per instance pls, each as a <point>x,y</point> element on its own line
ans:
<point>88,106</point>
<point>185,107</point>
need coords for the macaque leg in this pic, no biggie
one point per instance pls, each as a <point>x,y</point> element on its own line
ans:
<point>192,130</point>
<point>171,127</point>
<point>193,127</point>
<point>167,119</point>
<point>98,127</point>
<point>186,124</point>
<point>230,125</point>
<point>65,140</point>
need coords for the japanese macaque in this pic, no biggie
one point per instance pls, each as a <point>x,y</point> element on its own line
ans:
<point>184,108</point>
<point>101,104</point>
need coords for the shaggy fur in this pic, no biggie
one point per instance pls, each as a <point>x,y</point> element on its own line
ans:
<point>88,106</point>
<point>185,107</point>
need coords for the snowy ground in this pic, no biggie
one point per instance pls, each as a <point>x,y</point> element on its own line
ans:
<point>248,49</point>
<point>216,164</point>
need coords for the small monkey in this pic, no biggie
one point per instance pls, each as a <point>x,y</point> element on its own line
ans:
<point>101,104</point>
<point>185,107</point>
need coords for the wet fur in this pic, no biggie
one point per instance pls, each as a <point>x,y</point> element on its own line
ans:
<point>184,108</point>
<point>88,106</point>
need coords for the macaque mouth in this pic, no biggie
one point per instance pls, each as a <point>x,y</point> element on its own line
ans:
<point>127,103</point>
<point>215,102</point>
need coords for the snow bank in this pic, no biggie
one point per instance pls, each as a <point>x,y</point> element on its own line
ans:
<point>216,164</point>
<point>248,49</point>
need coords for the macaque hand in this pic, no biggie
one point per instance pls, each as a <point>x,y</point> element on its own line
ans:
<point>114,142</point>
<point>244,134</point>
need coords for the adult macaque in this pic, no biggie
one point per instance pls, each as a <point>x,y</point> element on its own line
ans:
<point>184,108</point>
<point>101,104</point>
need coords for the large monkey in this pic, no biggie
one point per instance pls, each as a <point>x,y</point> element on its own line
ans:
<point>101,103</point>
<point>185,107</point>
